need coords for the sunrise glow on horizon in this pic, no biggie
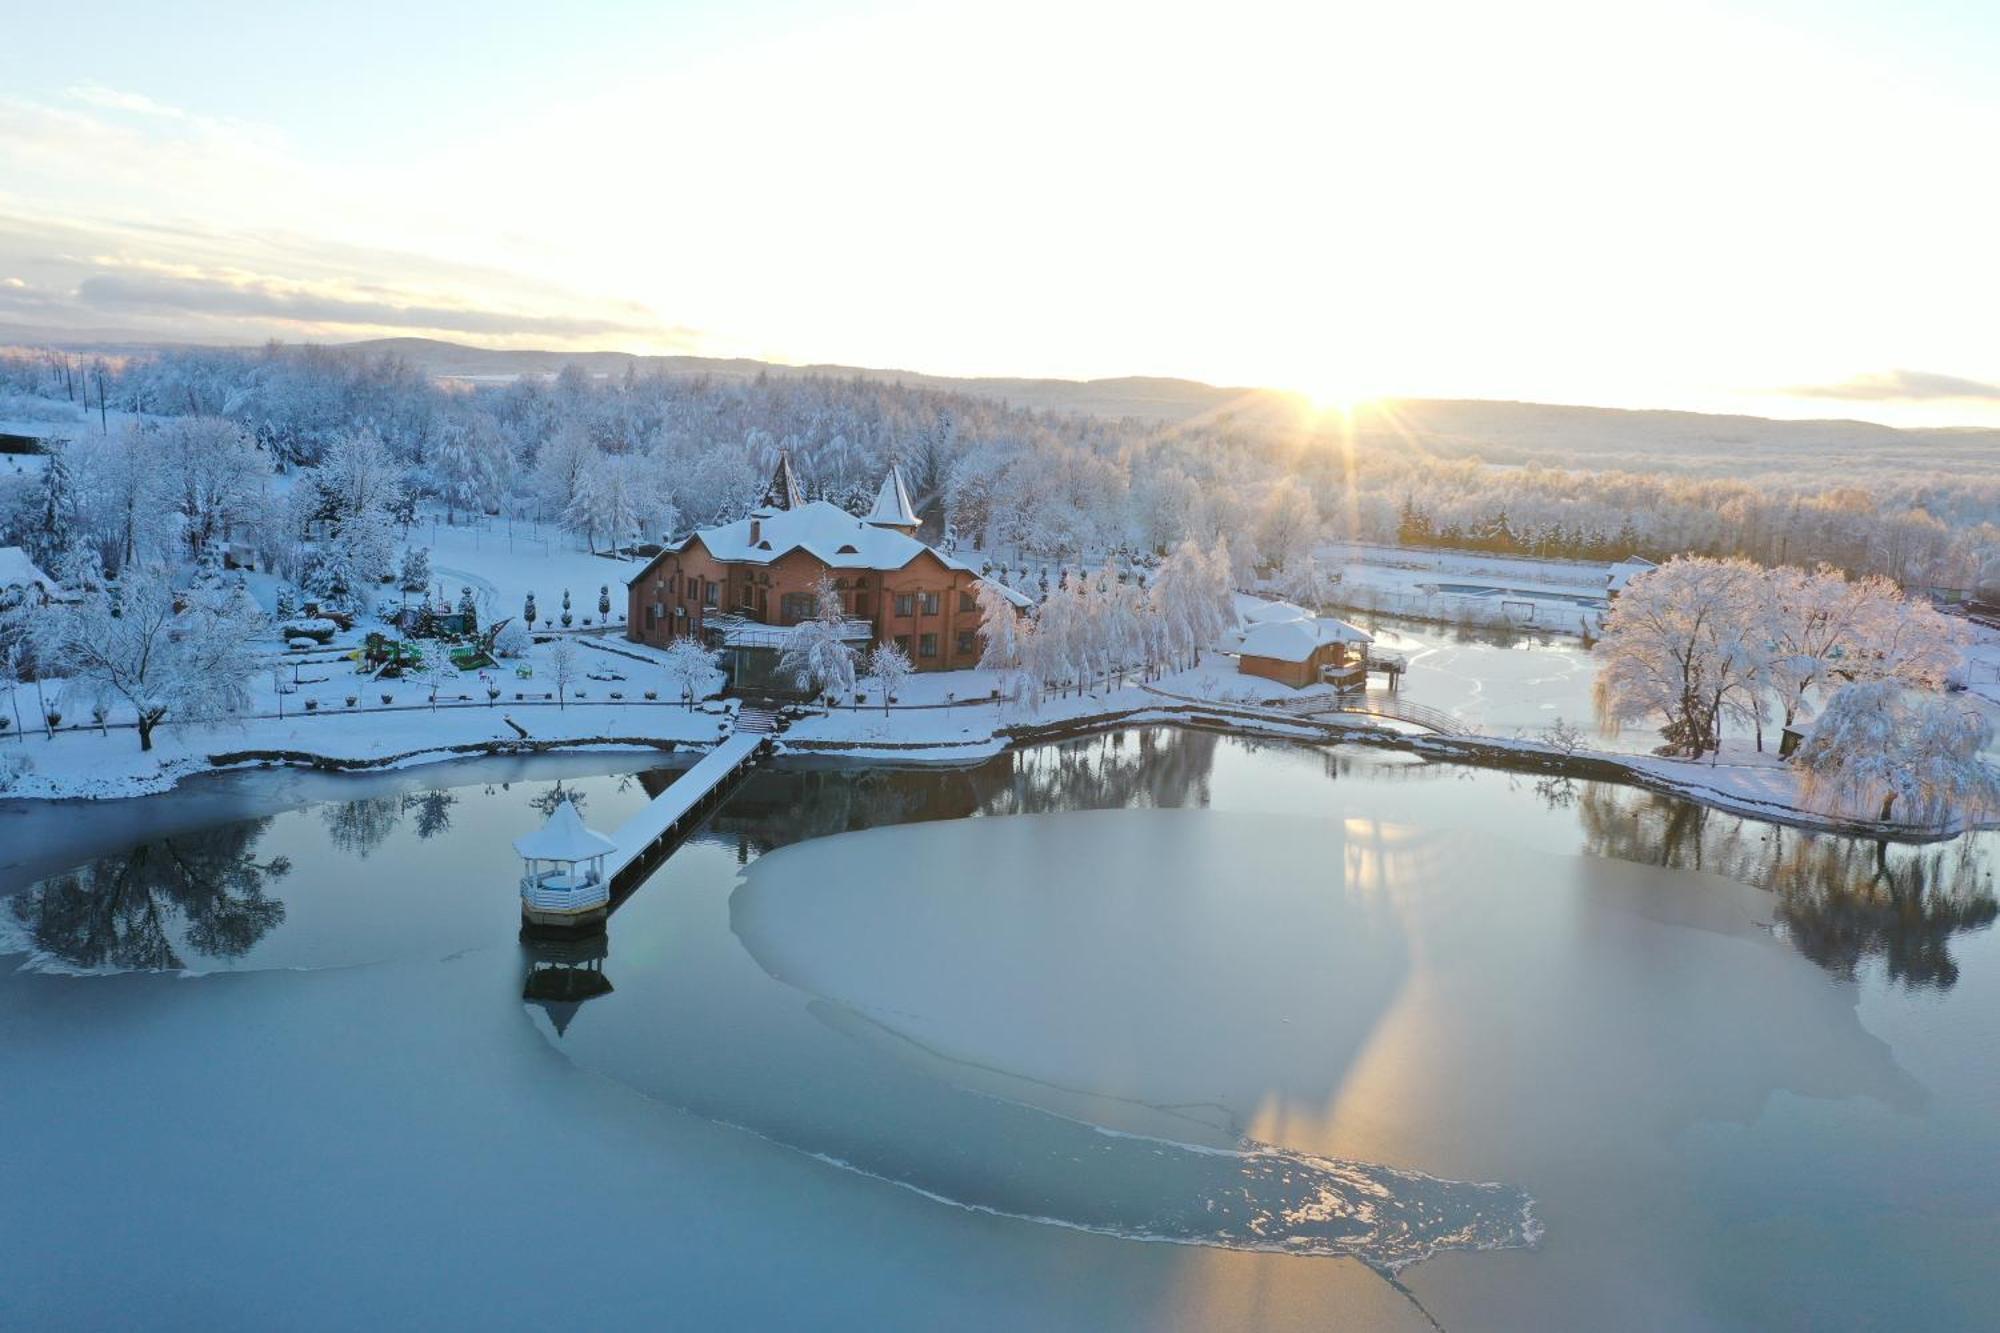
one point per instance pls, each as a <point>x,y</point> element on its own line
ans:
<point>1704,206</point>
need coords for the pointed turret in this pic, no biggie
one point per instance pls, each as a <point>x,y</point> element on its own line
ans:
<point>892,504</point>
<point>783,492</point>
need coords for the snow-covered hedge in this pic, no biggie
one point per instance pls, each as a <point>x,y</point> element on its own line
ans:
<point>312,627</point>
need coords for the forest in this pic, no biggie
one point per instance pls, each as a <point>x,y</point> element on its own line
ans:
<point>630,458</point>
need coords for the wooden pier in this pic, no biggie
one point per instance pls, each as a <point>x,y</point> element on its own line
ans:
<point>572,902</point>
<point>645,840</point>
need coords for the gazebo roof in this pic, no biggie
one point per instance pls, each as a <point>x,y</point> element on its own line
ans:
<point>563,838</point>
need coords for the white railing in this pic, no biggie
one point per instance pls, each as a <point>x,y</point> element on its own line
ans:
<point>545,897</point>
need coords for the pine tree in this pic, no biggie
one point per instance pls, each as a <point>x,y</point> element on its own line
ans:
<point>55,521</point>
<point>416,571</point>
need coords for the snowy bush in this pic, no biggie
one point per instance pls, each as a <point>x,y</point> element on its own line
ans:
<point>316,629</point>
<point>512,641</point>
<point>12,768</point>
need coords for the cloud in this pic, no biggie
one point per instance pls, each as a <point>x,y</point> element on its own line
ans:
<point>182,282</point>
<point>1902,386</point>
<point>116,99</point>
<point>126,293</point>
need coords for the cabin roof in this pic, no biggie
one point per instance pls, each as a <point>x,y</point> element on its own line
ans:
<point>1298,640</point>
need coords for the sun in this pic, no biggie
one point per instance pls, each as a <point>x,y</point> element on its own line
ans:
<point>1339,399</point>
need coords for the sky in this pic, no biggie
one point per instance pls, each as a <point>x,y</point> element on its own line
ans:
<point>1782,206</point>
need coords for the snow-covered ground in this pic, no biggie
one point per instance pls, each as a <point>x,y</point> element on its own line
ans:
<point>1563,596</point>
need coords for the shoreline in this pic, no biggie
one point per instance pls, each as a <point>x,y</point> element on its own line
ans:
<point>1677,778</point>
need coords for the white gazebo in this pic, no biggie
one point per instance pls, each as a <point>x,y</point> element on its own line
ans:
<point>564,885</point>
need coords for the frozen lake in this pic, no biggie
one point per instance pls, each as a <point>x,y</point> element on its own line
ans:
<point>1378,1041</point>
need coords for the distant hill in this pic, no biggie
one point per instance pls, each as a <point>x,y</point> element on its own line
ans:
<point>1508,433</point>
<point>1596,438</point>
<point>1153,399</point>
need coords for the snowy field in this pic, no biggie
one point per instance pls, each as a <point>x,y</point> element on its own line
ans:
<point>1558,596</point>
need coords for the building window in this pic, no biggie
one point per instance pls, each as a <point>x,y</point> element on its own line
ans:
<point>861,605</point>
<point>927,645</point>
<point>930,603</point>
<point>652,615</point>
<point>906,604</point>
<point>967,601</point>
<point>711,594</point>
<point>903,642</point>
<point>965,645</point>
<point>795,606</point>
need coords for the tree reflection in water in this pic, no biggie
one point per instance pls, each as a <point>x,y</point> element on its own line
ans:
<point>1153,767</point>
<point>125,911</point>
<point>1840,900</point>
<point>359,827</point>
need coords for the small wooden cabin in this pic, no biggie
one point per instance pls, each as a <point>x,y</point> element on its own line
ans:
<point>1306,651</point>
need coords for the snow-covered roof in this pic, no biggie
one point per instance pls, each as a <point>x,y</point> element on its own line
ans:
<point>1297,640</point>
<point>564,838</point>
<point>1626,570</point>
<point>892,502</point>
<point>741,632</point>
<point>18,571</point>
<point>783,492</point>
<point>1267,613</point>
<point>1020,600</point>
<point>822,530</point>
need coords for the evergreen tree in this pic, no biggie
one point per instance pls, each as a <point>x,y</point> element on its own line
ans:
<point>416,571</point>
<point>55,513</point>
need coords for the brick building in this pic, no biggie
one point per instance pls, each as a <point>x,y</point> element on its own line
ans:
<point>742,586</point>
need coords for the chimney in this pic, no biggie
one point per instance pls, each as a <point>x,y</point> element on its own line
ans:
<point>756,529</point>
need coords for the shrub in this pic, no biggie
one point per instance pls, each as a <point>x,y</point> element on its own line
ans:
<point>353,699</point>
<point>316,628</point>
<point>388,699</point>
<point>312,705</point>
<point>512,640</point>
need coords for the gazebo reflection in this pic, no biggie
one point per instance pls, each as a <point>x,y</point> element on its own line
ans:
<point>563,974</point>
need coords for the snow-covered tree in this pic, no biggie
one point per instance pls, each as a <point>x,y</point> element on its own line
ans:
<point>1823,629</point>
<point>818,657</point>
<point>188,656</point>
<point>52,522</point>
<point>469,464</point>
<point>1881,750</point>
<point>619,498</point>
<point>124,509</point>
<point>344,570</point>
<point>888,666</point>
<point>435,671</point>
<point>563,668</point>
<point>1683,643</point>
<point>560,468</point>
<point>1287,523</point>
<point>213,474</point>
<point>1308,583</point>
<point>415,574</point>
<point>1191,595</point>
<point>1003,634</point>
<point>689,665</point>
